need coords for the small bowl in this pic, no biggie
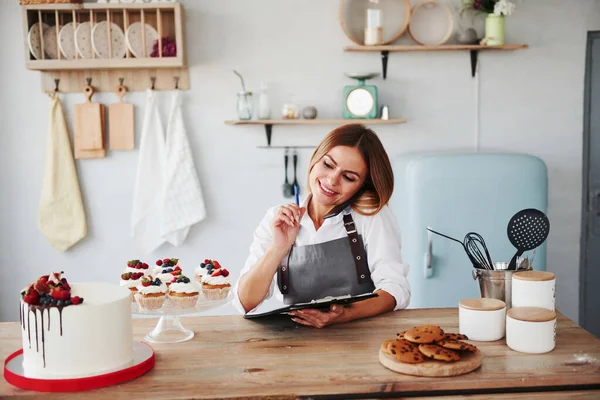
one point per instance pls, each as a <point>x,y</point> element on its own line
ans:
<point>482,319</point>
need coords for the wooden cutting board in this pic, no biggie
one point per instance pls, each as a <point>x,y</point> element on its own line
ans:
<point>121,133</point>
<point>89,127</point>
<point>467,363</point>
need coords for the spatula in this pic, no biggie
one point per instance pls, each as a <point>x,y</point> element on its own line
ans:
<point>527,230</point>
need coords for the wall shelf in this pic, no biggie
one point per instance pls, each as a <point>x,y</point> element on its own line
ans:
<point>268,123</point>
<point>136,69</point>
<point>472,49</point>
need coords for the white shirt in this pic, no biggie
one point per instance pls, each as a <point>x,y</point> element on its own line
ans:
<point>380,236</point>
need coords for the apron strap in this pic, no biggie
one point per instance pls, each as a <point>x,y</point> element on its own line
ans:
<point>283,278</point>
<point>358,251</point>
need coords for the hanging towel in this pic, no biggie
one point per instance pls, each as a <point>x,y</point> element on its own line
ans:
<point>183,205</point>
<point>149,183</point>
<point>61,216</point>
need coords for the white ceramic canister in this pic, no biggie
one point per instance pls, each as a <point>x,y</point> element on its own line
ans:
<point>531,329</point>
<point>534,289</point>
<point>482,319</point>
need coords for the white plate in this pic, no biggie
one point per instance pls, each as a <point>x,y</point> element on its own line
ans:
<point>50,43</point>
<point>134,39</point>
<point>66,41</point>
<point>100,40</point>
<point>431,23</point>
<point>83,40</point>
<point>34,41</point>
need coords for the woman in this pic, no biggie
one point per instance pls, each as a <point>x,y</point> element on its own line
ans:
<point>341,240</point>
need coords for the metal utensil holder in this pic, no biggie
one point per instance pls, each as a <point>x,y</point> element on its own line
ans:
<point>497,283</point>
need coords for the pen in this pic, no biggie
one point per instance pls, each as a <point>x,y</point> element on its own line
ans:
<point>296,194</point>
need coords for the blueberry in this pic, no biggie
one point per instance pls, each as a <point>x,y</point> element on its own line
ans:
<point>68,302</point>
<point>186,280</point>
<point>202,265</point>
<point>170,270</point>
<point>59,303</point>
<point>80,300</point>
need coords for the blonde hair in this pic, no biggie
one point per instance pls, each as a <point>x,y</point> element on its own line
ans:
<point>378,187</point>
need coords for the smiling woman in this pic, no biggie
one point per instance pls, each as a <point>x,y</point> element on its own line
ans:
<point>341,240</point>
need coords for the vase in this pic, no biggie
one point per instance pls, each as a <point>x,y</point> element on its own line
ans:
<point>494,30</point>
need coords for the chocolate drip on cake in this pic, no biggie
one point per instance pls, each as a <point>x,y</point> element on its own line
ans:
<point>29,326</point>
<point>37,342</point>
<point>60,318</point>
<point>43,343</point>
<point>41,309</point>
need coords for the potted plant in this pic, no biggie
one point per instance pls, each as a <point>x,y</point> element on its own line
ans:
<point>496,10</point>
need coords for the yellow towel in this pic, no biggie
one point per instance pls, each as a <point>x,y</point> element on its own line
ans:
<point>61,217</point>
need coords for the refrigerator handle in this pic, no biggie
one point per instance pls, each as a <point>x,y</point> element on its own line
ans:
<point>428,258</point>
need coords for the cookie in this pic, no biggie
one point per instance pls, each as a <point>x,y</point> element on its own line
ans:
<point>439,353</point>
<point>455,336</point>
<point>424,334</point>
<point>409,357</point>
<point>400,335</point>
<point>385,344</point>
<point>401,346</point>
<point>456,345</point>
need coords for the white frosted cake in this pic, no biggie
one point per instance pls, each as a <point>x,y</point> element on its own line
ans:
<point>87,331</point>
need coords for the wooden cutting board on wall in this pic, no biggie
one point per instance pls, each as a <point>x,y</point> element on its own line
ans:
<point>121,130</point>
<point>89,127</point>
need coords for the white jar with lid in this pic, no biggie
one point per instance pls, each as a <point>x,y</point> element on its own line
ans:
<point>531,329</point>
<point>534,289</point>
<point>482,319</point>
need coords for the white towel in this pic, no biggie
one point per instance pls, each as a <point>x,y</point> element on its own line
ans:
<point>183,202</point>
<point>61,215</point>
<point>149,184</point>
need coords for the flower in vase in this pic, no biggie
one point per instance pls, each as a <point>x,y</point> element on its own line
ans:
<point>498,7</point>
<point>504,7</point>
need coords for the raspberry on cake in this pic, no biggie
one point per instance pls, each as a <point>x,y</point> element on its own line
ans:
<point>151,294</point>
<point>216,284</point>
<point>64,336</point>
<point>134,266</point>
<point>130,280</point>
<point>183,293</point>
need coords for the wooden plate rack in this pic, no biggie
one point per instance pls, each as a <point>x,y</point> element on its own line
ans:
<point>138,73</point>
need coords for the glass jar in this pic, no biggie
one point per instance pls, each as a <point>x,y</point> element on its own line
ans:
<point>290,111</point>
<point>244,105</point>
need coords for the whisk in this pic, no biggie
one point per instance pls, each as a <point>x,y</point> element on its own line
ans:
<point>475,248</point>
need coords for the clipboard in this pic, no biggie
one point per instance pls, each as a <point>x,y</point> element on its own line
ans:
<point>315,304</point>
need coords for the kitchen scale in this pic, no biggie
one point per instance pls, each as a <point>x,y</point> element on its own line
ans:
<point>360,101</point>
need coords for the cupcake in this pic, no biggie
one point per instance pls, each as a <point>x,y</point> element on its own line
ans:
<point>183,293</point>
<point>135,266</point>
<point>216,285</point>
<point>131,280</point>
<point>205,268</point>
<point>151,294</point>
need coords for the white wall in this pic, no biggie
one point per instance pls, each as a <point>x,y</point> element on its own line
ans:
<point>530,101</point>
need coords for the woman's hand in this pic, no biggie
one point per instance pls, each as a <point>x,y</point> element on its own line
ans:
<point>318,319</point>
<point>286,225</point>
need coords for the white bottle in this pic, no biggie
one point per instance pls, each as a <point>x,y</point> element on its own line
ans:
<point>264,106</point>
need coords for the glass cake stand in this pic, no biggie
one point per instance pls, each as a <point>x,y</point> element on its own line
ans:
<point>169,328</point>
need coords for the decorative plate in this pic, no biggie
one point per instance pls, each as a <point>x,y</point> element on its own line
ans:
<point>100,40</point>
<point>431,23</point>
<point>50,43</point>
<point>134,39</point>
<point>83,40</point>
<point>34,41</point>
<point>395,18</point>
<point>66,41</point>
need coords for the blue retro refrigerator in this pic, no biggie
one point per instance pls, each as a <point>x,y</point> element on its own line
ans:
<point>455,194</point>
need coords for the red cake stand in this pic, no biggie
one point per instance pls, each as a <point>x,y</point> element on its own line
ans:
<point>143,361</point>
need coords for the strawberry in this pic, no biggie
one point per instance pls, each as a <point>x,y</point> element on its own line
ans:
<point>56,293</point>
<point>174,260</point>
<point>174,280</point>
<point>175,273</point>
<point>217,272</point>
<point>66,286</point>
<point>177,269</point>
<point>126,276</point>
<point>216,264</point>
<point>45,278</point>
<point>144,266</point>
<point>32,297</point>
<point>65,295</point>
<point>159,262</point>
<point>75,300</point>
<point>42,286</point>
<point>206,261</point>
<point>146,282</point>
<point>224,272</point>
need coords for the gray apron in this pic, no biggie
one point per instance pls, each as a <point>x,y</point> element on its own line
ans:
<point>335,268</point>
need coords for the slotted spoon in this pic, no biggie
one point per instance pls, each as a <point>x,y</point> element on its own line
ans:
<point>527,230</point>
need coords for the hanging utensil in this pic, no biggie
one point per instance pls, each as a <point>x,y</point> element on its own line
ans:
<point>527,230</point>
<point>296,186</point>
<point>288,188</point>
<point>121,132</point>
<point>88,135</point>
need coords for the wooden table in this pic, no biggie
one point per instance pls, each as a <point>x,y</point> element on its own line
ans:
<point>231,357</point>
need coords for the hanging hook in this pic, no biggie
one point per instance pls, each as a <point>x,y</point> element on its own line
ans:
<point>88,81</point>
<point>153,79</point>
<point>56,82</point>
<point>176,78</point>
<point>121,81</point>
